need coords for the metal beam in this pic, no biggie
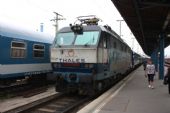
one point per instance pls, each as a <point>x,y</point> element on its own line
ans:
<point>166,21</point>
<point>140,23</point>
<point>161,57</point>
<point>146,7</point>
<point>155,3</point>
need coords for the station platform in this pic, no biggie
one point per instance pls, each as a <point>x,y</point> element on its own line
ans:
<point>132,95</point>
<point>18,104</point>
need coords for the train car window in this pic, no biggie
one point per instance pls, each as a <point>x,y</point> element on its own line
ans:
<point>125,49</point>
<point>38,50</point>
<point>115,45</point>
<point>18,49</point>
<point>121,47</point>
<point>111,42</point>
<point>104,43</point>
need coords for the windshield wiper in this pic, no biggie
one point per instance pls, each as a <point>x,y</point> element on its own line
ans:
<point>57,45</point>
<point>90,41</point>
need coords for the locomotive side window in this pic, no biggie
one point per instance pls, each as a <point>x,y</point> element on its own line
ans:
<point>18,49</point>
<point>105,43</point>
<point>38,50</point>
<point>121,47</point>
<point>125,49</point>
<point>115,45</point>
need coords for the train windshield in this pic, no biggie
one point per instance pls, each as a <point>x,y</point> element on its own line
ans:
<point>70,38</point>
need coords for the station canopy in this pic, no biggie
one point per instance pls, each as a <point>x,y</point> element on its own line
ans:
<point>148,20</point>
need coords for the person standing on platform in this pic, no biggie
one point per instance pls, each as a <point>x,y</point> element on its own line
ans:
<point>150,73</point>
<point>168,81</point>
<point>144,64</point>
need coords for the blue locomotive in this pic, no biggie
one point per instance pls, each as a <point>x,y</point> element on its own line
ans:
<point>88,58</point>
<point>23,54</point>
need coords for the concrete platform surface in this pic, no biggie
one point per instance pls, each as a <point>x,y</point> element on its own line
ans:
<point>13,104</point>
<point>133,96</point>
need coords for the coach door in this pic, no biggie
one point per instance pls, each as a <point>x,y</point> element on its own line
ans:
<point>106,46</point>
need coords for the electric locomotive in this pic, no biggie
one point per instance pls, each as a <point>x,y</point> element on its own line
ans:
<point>24,55</point>
<point>87,57</point>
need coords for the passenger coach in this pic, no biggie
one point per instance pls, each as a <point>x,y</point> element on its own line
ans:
<point>23,54</point>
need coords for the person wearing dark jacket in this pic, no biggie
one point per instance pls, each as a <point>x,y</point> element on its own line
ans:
<point>168,74</point>
<point>144,64</point>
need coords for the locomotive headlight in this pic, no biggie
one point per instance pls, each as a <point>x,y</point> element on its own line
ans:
<point>89,65</point>
<point>78,28</point>
<point>56,65</point>
<point>75,28</point>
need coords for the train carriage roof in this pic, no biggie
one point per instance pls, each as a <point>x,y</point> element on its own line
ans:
<point>20,33</point>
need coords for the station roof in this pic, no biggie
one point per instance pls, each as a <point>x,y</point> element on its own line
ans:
<point>147,19</point>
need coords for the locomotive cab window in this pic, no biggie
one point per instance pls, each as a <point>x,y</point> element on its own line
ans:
<point>38,50</point>
<point>69,38</point>
<point>18,49</point>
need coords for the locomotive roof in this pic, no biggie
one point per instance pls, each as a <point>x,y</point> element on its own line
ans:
<point>19,33</point>
<point>95,28</point>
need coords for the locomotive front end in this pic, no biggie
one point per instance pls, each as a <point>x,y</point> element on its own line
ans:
<point>74,58</point>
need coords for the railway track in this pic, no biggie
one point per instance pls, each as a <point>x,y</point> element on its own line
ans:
<point>66,103</point>
<point>25,90</point>
<point>56,104</point>
<point>62,104</point>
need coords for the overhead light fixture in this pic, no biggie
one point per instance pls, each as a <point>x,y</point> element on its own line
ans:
<point>168,35</point>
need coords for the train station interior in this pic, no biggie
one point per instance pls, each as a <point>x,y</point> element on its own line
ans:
<point>149,21</point>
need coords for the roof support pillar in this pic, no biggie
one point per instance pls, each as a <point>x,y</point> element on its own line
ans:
<point>154,57</point>
<point>161,56</point>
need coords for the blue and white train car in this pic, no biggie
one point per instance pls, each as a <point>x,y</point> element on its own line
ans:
<point>23,54</point>
<point>88,58</point>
